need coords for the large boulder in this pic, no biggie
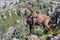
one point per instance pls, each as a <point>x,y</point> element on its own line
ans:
<point>33,37</point>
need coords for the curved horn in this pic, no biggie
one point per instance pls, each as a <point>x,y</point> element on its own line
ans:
<point>30,8</point>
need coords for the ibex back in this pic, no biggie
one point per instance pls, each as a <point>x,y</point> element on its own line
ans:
<point>40,19</point>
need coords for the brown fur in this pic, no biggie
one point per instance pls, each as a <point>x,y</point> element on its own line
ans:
<point>39,19</point>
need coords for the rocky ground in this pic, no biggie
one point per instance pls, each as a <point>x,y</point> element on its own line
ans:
<point>34,37</point>
<point>20,23</point>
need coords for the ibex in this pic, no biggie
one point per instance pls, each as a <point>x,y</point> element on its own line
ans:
<point>37,19</point>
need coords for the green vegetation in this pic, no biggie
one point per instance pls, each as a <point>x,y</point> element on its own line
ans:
<point>11,20</point>
<point>38,30</point>
<point>8,22</point>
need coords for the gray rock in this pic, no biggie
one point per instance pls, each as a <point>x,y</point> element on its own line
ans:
<point>58,36</point>
<point>33,37</point>
<point>15,39</point>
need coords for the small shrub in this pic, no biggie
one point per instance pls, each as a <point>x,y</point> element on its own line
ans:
<point>38,30</point>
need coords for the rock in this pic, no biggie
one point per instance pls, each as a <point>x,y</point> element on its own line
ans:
<point>33,37</point>
<point>8,34</point>
<point>15,39</point>
<point>58,36</point>
<point>46,1</point>
<point>55,38</point>
<point>51,37</point>
<point>17,1</point>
